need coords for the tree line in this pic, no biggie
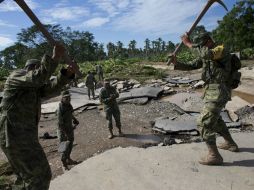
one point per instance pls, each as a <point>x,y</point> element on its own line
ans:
<point>235,30</point>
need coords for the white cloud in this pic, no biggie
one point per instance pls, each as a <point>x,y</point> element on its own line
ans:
<point>5,24</point>
<point>5,41</point>
<point>8,5</point>
<point>159,17</point>
<point>111,7</point>
<point>65,13</point>
<point>95,22</point>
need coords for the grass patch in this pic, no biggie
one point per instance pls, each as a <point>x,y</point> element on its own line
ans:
<point>124,69</point>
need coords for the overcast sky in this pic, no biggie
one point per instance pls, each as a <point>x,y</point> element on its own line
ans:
<point>112,20</point>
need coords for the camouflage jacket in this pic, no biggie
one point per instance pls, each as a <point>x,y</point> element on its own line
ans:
<point>65,117</point>
<point>98,69</point>
<point>108,98</point>
<point>216,68</point>
<point>21,103</point>
<point>90,81</point>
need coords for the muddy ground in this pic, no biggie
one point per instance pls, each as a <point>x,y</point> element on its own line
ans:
<point>91,134</point>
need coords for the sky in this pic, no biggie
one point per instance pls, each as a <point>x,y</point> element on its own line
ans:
<point>112,20</point>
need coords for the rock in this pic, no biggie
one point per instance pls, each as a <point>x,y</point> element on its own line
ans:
<point>82,85</point>
<point>120,86</point>
<point>166,88</point>
<point>136,85</point>
<point>168,141</point>
<point>199,84</point>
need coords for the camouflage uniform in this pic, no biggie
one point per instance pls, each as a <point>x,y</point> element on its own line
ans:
<point>108,98</point>
<point>20,114</point>
<point>65,128</point>
<point>99,72</point>
<point>90,84</point>
<point>216,72</point>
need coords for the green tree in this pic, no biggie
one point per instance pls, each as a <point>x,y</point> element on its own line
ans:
<point>236,28</point>
<point>14,56</point>
<point>132,48</point>
<point>111,50</point>
<point>147,47</point>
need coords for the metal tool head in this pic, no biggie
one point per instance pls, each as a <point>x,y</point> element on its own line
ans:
<point>220,2</point>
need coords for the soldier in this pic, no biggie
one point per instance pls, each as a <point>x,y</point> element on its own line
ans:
<point>20,114</point>
<point>90,84</point>
<point>65,127</point>
<point>216,64</point>
<point>99,72</point>
<point>108,95</point>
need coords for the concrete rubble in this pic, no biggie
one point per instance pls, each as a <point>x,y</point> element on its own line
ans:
<point>79,99</point>
<point>150,92</point>
<point>164,168</point>
<point>187,124</point>
<point>188,104</point>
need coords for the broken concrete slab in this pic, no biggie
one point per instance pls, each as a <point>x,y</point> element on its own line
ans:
<point>138,101</point>
<point>226,117</point>
<point>150,92</point>
<point>236,103</point>
<point>245,110</point>
<point>179,80</point>
<point>79,99</point>
<point>234,124</point>
<point>170,126</point>
<point>162,168</point>
<point>191,102</point>
<point>187,124</point>
<point>146,139</point>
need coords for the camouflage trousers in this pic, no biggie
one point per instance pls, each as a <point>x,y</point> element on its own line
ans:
<point>90,89</point>
<point>210,122</point>
<point>30,164</point>
<point>100,76</point>
<point>113,112</point>
<point>62,136</point>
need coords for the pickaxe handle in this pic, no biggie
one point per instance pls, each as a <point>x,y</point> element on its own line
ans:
<point>44,31</point>
<point>200,16</point>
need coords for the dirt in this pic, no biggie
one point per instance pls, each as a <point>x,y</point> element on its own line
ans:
<point>91,134</point>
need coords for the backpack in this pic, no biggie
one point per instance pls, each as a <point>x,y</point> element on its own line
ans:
<point>235,78</point>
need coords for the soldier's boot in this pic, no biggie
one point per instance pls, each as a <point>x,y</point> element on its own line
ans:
<point>111,135</point>
<point>213,157</point>
<point>120,133</point>
<point>69,161</point>
<point>64,166</point>
<point>229,144</point>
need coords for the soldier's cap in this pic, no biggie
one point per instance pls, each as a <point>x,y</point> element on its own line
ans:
<point>106,80</point>
<point>66,93</point>
<point>31,62</point>
<point>201,39</point>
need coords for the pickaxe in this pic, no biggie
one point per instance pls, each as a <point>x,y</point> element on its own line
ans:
<point>44,31</point>
<point>200,16</point>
